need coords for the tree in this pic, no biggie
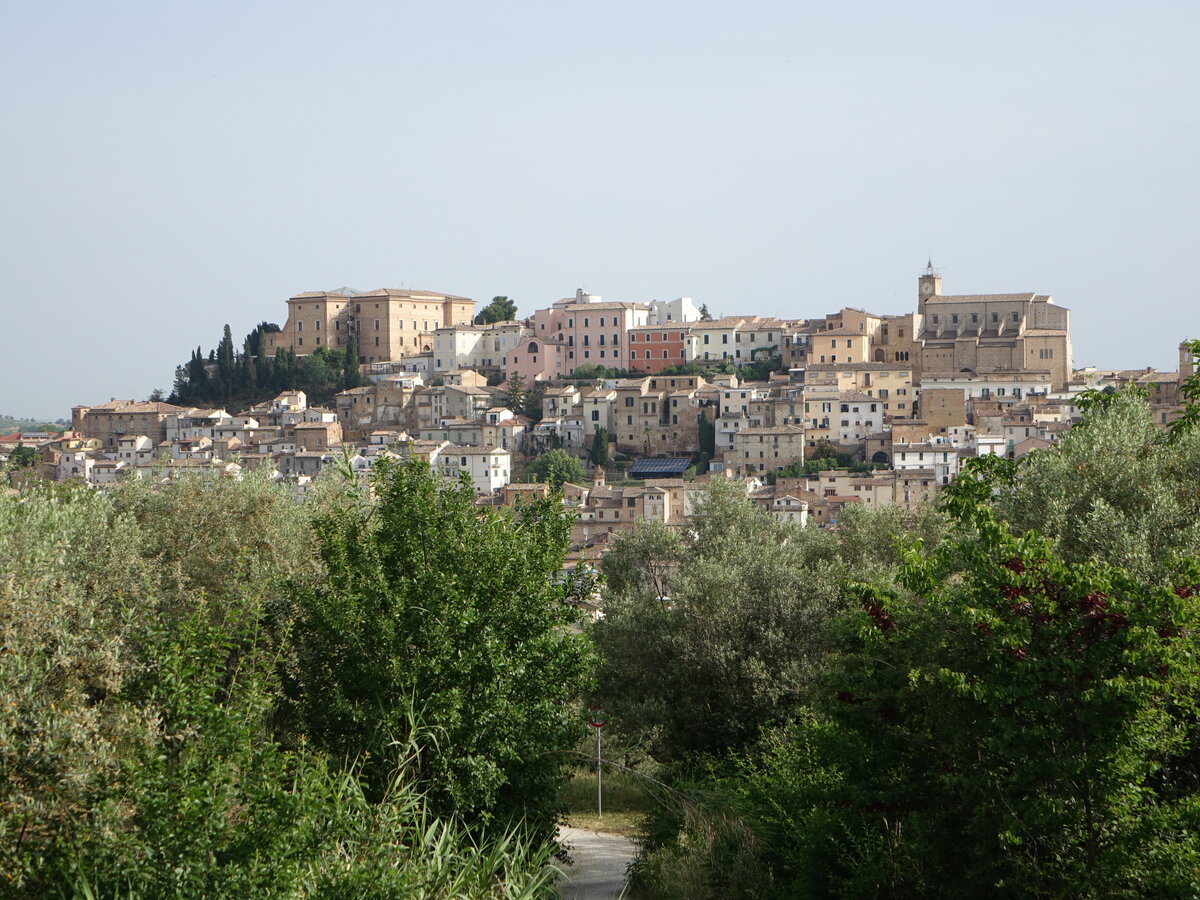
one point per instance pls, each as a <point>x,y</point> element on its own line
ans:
<point>226,363</point>
<point>145,749</point>
<point>999,720</point>
<point>23,458</point>
<point>556,467</point>
<point>1115,488</point>
<point>708,638</point>
<point>705,315</point>
<point>516,397</point>
<point>435,606</point>
<point>501,309</point>
<point>351,374</point>
<point>707,434</point>
<point>599,453</point>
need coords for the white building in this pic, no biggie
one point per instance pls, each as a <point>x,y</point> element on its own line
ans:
<point>489,468</point>
<point>681,309</point>
<point>942,458</point>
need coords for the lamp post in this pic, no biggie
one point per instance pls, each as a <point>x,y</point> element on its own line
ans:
<point>598,718</point>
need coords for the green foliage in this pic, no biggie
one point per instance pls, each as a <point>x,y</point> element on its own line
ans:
<point>1190,389</point>
<point>143,747</point>
<point>599,454</point>
<point>707,431</point>
<point>1113,488</point>
<point>594,372</point>
<point>238,380</point>
<point>556,467</point>
<point>22,458</point>
<point>501,309</point>
<point>436,608</point>
<point>1003,729</point>
<point>709,637</point>
<point>807,468</point>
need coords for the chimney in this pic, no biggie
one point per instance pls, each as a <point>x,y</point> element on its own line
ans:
<point>598,477</point>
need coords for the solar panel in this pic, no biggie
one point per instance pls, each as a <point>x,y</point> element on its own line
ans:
<point>660,468</point>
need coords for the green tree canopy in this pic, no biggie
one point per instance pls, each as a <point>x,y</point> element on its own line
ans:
<point>501,309</point>
<point>435,606</point>
<point>710,637</point>
<point>557,466</point>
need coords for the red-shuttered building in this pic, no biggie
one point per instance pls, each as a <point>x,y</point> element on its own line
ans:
<point>653,348</point>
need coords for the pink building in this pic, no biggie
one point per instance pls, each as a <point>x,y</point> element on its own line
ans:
<point>576,332</point>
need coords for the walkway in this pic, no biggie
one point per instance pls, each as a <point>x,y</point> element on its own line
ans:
<point>598,864</point>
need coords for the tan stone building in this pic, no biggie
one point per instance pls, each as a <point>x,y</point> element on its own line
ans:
<point>109,422</point>
<point>766,449</point>
<point>978,332</point>
<point>388,324</point>
<point>656,414</point>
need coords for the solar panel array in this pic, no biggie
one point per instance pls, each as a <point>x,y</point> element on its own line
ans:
<point>660,468</point>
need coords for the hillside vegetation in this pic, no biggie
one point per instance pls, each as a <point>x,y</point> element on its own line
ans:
<point>211,691</point>
<point>996,698</point>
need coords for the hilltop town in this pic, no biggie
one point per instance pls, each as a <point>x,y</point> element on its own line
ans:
<point>658,397</point>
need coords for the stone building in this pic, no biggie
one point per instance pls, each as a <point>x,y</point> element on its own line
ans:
<point>992,332</point>
<point>109,422</point>
<point>387,323</point>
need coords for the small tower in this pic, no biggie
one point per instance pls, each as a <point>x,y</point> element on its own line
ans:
<point>929,284</point>
<point>598,477</point>
<point>1187,362</point>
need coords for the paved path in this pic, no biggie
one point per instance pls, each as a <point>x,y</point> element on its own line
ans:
<point>598,864</point>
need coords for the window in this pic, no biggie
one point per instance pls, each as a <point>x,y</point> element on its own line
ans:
<point>299,326</point>
<point>954,319</point>
<point>629,401</point>
<point>595,415</point>
<point>725,339</point>
<point>317,325</point>
<point>935,320</point>
<point>706,341</point>
<point>1016,317</point>
<point>376,324</point>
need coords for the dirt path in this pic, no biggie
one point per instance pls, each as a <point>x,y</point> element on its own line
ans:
<point>598,864</point>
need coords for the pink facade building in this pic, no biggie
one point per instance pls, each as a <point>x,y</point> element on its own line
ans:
<point>576,332</point>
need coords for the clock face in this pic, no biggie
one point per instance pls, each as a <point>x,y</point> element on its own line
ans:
<point>927,288</point>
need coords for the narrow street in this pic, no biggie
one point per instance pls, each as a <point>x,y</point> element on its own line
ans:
<point>598,864</point>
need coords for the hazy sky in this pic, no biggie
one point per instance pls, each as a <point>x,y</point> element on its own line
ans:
<point>168,167</point>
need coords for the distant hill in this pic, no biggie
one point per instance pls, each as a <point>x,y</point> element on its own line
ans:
<point>9,424</point>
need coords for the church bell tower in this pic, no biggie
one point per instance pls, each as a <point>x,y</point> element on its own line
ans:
<point>929,284</point>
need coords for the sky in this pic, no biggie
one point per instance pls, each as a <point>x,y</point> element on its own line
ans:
<point>167,168</point>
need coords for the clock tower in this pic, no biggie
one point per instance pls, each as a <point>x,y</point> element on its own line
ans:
<point>929,284</point>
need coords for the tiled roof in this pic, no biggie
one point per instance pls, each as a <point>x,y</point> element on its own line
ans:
<point>983,298</point>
